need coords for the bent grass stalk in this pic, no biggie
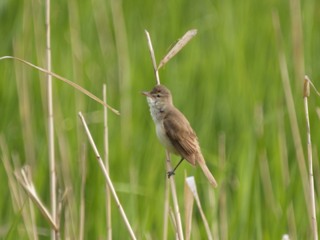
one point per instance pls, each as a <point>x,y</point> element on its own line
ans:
<point>72,84</point>
<point>18,199</point>
<point>106,175</point>
<point>24,178</point>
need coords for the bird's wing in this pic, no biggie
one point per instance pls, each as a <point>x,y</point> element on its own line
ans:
<point>181,136</point>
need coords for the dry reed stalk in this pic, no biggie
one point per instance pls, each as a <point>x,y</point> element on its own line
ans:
<point>306,93</point>
<point>173,220</point>
<point>291,110</point>
<point>72,84</point>
<point>193,188</point>
<point>18,201</point>
<point>177,216</point>
<point>188,208</point>
<point>177,47</point>
<point>25,205</point>
<point>52,164</point>
<point>106,175</point>
<point>82,193</point>
<point>33,222</point>
<point>166,211</point>
<point>106,159</point>
<point>24,178</point>
<point>154,63</point>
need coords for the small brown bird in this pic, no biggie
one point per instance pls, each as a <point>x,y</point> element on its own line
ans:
<point>174,131</point>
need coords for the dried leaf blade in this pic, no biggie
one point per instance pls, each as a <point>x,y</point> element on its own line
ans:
<point>178,46</point>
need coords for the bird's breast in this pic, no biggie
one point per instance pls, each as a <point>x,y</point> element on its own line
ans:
<point>158,112</point>
<point>155,110</point>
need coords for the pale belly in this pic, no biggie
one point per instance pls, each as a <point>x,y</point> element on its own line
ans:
<point>164,139</point>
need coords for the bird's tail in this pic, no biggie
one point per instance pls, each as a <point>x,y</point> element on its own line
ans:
<point>207,172</point>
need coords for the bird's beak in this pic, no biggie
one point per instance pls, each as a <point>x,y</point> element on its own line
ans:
<point>147,94</point>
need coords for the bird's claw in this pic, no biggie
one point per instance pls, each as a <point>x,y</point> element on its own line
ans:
<point>170,173</point>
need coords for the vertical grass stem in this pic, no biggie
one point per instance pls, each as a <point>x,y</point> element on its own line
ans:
<point>306,92</point>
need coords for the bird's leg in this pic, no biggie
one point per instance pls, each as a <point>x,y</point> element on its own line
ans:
<point>170,173</point>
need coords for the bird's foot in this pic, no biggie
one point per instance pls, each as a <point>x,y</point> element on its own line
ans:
<point>170,173</point>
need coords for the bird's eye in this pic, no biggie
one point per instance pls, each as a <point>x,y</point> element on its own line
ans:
<point>158,95</point>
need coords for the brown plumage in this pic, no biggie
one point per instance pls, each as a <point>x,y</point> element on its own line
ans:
<point>174,130</point>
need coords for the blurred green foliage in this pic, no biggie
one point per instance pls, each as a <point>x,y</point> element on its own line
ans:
<point>227,81</point>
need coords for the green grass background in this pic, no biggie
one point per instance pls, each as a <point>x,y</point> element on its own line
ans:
<point>226,81</point>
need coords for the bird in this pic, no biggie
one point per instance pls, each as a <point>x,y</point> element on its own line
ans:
<point>174,130</point>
